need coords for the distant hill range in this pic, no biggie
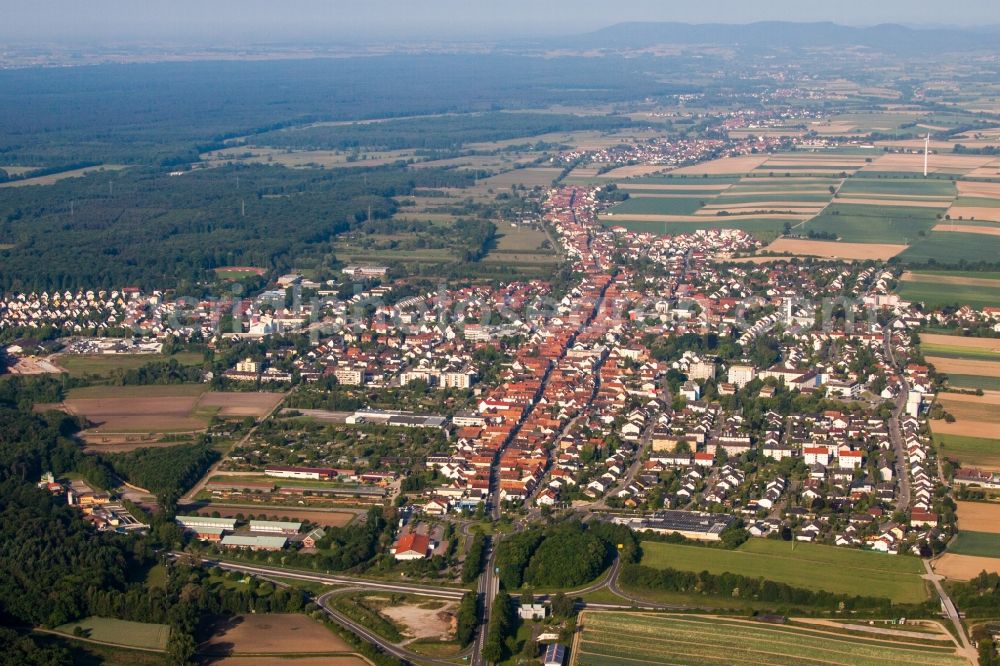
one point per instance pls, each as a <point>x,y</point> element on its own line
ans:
<point>889,37</point>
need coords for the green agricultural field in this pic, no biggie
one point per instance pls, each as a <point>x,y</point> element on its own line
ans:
<point>980,544</point>
<point>138,391</point>
<point>121,632</point>
<point>974,382</point>
<point>763,229</point>
<point>660,205</point>
<point>915,187</point>
<point>681,179</point>
<point>976,202</point>
<point>79,365</point>
<point>614,638</point>
<point>855,223</point>
<point>951,247</point>
<point>845,571</point>
<point>955,351</point>
<point>738,197</point>
<point>970,451</point>
<point>935,294</point>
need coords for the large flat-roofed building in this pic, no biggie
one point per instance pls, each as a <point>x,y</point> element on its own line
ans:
<point>310,473</point>
<point>205,527</point>
<point>254,542</point>
<point>396,418</point>
<point>275,527</point>
<point>193,522</point>
<point>690,524</point>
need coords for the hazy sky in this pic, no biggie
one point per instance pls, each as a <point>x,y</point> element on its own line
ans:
<point>229,21</point>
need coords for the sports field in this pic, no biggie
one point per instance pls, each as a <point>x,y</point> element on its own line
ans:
<point>979,452</point>
<point>845,570</point>
<point>121,632</point>
<point>612,638</point>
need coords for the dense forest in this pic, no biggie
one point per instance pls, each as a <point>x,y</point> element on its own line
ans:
<point>167,113</point>
<point>444,132</point>
<point>166,472</point>
<point>141,227</point>
<point>566,554</point>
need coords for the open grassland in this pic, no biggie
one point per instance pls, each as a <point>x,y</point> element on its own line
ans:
<point>951,248</point>
<point>857,223</point>
<point>965,567</point>
<point>834,249</point>
<point>121,632</point>
<point>989,279</point>
<point>240,404</point>
<point>979,517</point>
<point>79,365</point>
<point>138,409</point>
<point>279,633</point>
<point>612,638</point>
<point>977,544</point>
<point>62,175</point>
<point>935,290</point>
<point>845,571</point>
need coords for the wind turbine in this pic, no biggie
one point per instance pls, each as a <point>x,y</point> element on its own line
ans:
<point>927,149</point>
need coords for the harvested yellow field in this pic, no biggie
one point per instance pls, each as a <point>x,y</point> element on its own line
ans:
<point>967,188</point>
<point>967,228</point>
<point>974,213</point>
<point>979,517</point>
<point>987,344</point>
<point>835,249</point>
<point>725,165</point>
<point>760,260</point>
<point>889,201</point>
<point>965,366</point>
<point>633,171</point>
<point>975,416</point>
<point>936,162</point>
<point>965,567</point>
<point>767,205</point>
<point>713,187</point>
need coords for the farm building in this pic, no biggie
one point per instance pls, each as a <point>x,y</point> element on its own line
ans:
<point>412,546</point>
<point>555,655</point>
<point>275,527</point>
<point>311,473</point>
<point>254,542</point>
<point>206,528</point>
